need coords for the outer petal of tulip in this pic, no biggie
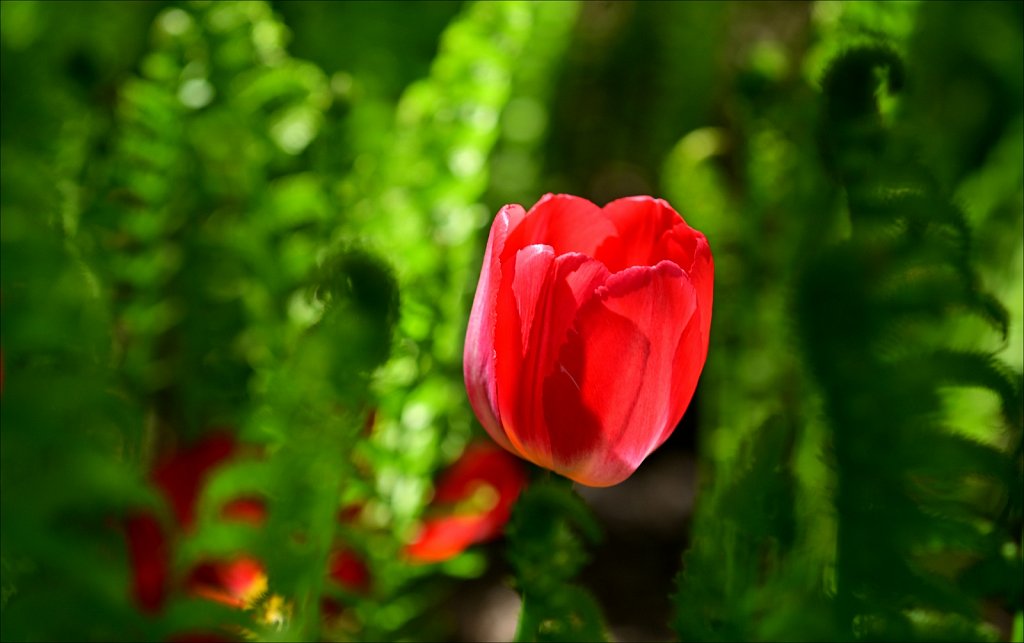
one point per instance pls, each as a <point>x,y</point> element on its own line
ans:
<point>479,358</point>
<point>650,230</point>
<point>626,375</point>
<point>567,224</point>
<point>536,314</point>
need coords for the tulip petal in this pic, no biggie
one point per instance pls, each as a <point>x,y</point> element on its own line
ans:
<point>547,292</point>
<point>578,426</point>
<point>566,223</point>
<point>690,355</point>
<point>479,353</point>
<point>702,274</point>
<point>690,251</point>
<point>648,230</point>
<point>530,278</point>
<point>625,375</point>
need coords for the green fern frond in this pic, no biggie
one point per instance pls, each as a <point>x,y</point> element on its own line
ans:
<point>903,482</point>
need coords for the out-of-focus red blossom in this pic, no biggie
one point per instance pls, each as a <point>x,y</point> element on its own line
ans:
<point>180,478</point>
<point>350,513</point>
<point>348,570</point>
<point>588,332</point>
<point>249,510</point>
<point>472,502</point>
<point>237,582</point>
<point>150,561</point>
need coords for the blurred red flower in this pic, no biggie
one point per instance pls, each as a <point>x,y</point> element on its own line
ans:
<point>588,332</point>
<point>180,477</point>
<point>348,570</point>
<point>472,502</point>
<point>238,581</point>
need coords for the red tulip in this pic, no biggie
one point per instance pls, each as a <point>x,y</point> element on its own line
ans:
<point>349,571</point>
<point>346,569</point>
<point>150,560</point>
<point>588,332</point>
<point>236,583</point>
<point>471,504</point>
<point>180,478</point>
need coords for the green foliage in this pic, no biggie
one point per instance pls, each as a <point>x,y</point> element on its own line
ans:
<point>914,530</point>
<point>207,262</point>
<point>729,587</point>
<point>237,254</point>
<point>546,553</point>
<point>933,490</point>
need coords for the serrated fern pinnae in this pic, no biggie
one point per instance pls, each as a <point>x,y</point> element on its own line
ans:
<point>909,488</point>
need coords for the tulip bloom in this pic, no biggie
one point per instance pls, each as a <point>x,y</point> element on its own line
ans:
<point>588,332</point>
<point>472,502</point>
<point>349,571</point>
<point>238,581</point>
<point>180,478</point>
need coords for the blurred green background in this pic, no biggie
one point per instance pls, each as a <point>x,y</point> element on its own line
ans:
<point>270,217</point>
